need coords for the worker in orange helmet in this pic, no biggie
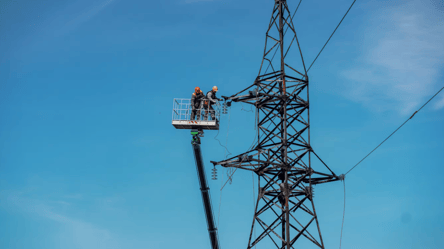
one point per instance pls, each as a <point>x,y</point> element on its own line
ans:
<point>196,102</point>
<point>211,100</point>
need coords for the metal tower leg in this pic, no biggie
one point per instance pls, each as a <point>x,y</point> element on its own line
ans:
<point>285,210</point>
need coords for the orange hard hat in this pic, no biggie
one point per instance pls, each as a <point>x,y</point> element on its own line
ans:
<point>197,89</point>
<point>215,88</point>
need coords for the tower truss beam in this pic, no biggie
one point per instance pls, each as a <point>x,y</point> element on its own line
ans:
<point>281,159</point>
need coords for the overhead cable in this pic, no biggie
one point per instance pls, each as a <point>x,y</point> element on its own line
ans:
<point>331,35</point>
<point>343,215</point>
<point>395,130</point>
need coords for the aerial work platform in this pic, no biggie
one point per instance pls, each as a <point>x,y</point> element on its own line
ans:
<point>199,119</point>
<point>182,113</point>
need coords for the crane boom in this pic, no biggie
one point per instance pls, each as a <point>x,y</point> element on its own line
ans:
<point>205,190</point>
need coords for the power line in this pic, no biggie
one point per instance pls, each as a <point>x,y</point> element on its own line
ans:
<point>331,35</point>
<point>343,215</point>
<point>395,130</point>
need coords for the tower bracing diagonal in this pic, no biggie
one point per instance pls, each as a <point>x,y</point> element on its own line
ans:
<point>285,214</point>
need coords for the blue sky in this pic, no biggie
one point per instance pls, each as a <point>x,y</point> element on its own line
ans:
<point>89,159</point>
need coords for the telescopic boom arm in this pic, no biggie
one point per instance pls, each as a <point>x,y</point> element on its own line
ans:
<point>205,190</point>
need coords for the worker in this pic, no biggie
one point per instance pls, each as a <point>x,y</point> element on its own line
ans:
<point>211,100</point>
<point>196,102</point>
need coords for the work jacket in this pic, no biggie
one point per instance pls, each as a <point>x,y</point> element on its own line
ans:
<point>196,99</point>
<point>211,96</point>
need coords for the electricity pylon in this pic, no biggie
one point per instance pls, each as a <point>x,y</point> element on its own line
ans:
<point>284,211</point>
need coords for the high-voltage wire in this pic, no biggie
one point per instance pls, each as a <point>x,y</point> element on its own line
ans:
<point>343,216</point>
<point>395,130</point>
<point>331,35</point>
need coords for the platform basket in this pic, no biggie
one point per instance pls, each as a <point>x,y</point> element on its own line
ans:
<point>182,116</point>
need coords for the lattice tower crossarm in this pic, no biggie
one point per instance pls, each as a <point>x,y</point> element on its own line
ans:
<point>281,158</point>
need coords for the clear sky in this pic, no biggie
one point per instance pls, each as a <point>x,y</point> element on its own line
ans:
<point>89,158</point>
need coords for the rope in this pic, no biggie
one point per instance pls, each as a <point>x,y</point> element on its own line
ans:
<point>220,201</point>
<point>343,215</point>
<point>249,148</point>
<point>331,35</point>
<point>231,175</point>
<point>254,205</point>
<point>395,131</point>
<point>242,109</point>
<point>225,156</point>
<point>226,140</point>
<point>226,149</point>
<point>254,195</point>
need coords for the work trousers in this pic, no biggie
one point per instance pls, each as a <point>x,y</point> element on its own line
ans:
<point>209,110</point>
<point>194,112</point>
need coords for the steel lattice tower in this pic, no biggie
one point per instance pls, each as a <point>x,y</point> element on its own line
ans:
<point>284,210</point>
